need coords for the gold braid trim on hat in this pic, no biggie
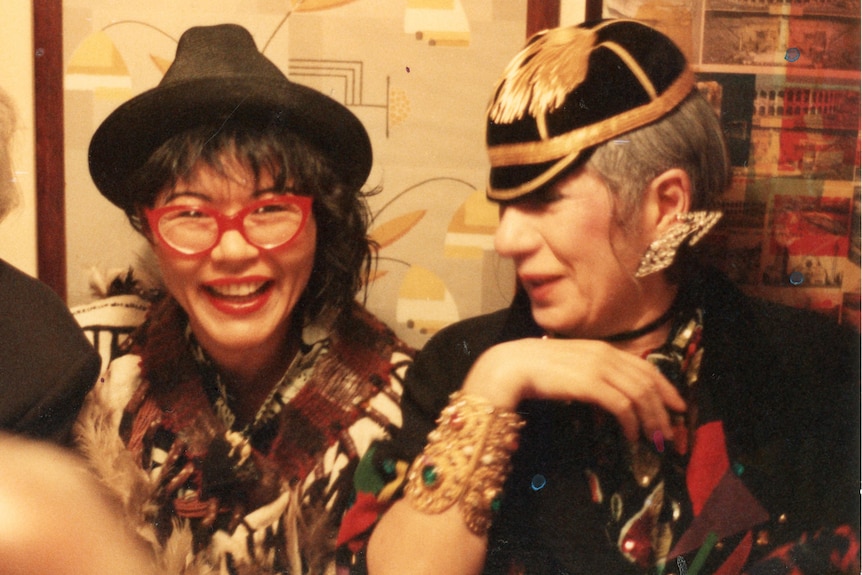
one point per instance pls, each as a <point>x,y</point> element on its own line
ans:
<point>530,185</point>
<point>593,134</point>
<point>466,461</point>
<point>633,67</point>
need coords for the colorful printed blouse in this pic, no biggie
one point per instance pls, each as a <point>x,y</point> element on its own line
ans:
<point>215,497</point>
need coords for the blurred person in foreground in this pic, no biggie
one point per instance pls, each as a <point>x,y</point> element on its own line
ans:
<point>232,427</point>
<point>55,518</point>
<point>47,365</point>
<point>632,412</point>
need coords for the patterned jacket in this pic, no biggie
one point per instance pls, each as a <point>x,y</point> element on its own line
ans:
<point>211,500</point>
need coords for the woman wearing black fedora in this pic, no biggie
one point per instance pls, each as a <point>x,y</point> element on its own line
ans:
<point>632,411</point>
<point>231,428</point>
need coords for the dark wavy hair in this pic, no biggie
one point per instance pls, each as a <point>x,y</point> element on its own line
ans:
<point>344,251</point>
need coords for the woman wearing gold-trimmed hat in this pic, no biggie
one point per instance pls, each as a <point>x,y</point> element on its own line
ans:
<point>632,411</point>
<point>231,429</point>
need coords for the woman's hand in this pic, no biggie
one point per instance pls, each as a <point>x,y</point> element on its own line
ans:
<point>625,385</point>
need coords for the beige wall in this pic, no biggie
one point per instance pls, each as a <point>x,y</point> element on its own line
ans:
<point>18,230</point>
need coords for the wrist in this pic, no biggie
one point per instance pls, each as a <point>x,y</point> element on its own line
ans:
<point>495,377</point>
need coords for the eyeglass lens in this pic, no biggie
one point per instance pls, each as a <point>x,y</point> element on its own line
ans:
<point>195,230</point>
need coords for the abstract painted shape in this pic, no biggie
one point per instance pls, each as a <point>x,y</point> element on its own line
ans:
<point>316,5</point>
<point>96,65</point>
<point>375,274</point>
<point>392,230</point>
<point>471,230</point>
<point>424,302</point>
<point>161,63</point>
<point>399,106</point>
<point>439,22</point>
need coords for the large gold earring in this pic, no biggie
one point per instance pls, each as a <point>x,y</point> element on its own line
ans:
<point>691,226</point>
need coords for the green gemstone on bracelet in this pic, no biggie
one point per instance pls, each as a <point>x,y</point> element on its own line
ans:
<point>429,475</point>
<point>388,466</point>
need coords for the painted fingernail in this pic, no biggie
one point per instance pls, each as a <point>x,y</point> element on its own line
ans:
<point>658,439</point>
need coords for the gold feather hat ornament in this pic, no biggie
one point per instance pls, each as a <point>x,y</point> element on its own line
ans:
<point>573,88</point>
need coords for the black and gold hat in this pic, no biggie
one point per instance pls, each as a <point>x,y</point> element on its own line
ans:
<point>573,88</point>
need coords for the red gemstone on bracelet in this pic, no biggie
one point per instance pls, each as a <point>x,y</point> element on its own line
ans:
<point>512,443</point>
<point>456,421</point>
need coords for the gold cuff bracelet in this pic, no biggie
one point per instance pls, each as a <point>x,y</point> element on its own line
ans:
<point>466,461</point>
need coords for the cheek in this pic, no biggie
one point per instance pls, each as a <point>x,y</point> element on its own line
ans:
<point>298,259</point>
<point>177,274</point>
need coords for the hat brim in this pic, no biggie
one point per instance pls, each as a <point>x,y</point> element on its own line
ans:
<point>127,138</point>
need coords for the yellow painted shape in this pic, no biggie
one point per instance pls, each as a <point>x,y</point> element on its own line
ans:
<point>161,63</point>
<point>422,284</point>
<point>439,38</point>
<point>314,5</point>
<point>476,216</point>
<point>97,55</point>
<point>463,252</point>
<point>389,232</point>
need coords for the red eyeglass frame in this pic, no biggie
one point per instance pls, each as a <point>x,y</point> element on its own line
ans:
<point>226,223</point>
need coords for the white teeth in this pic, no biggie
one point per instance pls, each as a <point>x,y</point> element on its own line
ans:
<point>236,290</point>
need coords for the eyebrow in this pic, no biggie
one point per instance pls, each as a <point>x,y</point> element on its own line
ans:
<point>177,194</point>
<point>174,194</point>
<point>272,190</point>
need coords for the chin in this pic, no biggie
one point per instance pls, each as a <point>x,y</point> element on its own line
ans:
<point>550,323</point>
<point>244,337</point>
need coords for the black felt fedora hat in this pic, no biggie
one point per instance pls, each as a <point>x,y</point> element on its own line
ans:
<point>219,74</point>
<point>573,88</point>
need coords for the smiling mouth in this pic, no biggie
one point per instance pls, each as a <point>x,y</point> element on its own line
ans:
<point>238,291</point>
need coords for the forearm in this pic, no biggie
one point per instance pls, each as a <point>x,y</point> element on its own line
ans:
<point>452,492</point>
<point>409,541</point>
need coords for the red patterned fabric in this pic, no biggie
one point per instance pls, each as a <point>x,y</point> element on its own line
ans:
<point>708,464</point>
<point>214,476</point>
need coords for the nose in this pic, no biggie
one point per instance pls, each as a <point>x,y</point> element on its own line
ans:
<point>232,247</point>
<point>515,235</point>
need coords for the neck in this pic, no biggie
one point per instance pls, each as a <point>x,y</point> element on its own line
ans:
<point>250,375</point>
<point>646,343</point>
<point>644,330</point>
<point>652,326</point>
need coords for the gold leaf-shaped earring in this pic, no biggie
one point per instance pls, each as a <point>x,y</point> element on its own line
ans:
<point>691,226</point>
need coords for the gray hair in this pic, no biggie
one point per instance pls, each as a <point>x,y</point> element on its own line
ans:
<point>689,138</point>
<point>8,189</point>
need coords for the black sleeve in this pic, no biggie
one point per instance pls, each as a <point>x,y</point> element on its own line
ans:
<point>47,366</point>
<point>439,370</point>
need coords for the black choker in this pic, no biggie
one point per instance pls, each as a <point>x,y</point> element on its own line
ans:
<point>636,333</point>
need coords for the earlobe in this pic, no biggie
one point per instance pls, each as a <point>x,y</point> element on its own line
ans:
<point>671,192</point>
